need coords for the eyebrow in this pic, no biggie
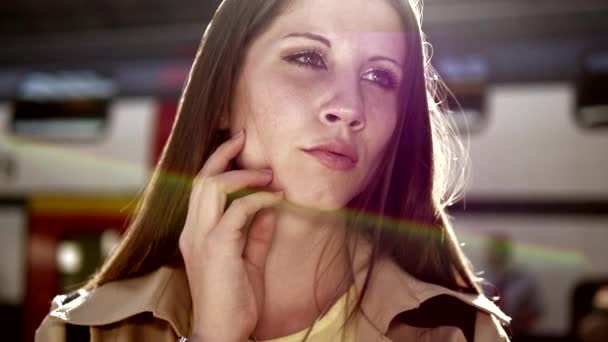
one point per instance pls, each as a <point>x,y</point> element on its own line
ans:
<point>309,36</point>
<point>382,58</point>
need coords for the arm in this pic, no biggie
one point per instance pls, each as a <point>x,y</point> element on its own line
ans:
<point>51,330</point>
<point>488,329</point>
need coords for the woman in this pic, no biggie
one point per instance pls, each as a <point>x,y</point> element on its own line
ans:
<point>322,217</point>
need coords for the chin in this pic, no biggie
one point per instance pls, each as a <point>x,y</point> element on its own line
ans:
<point>325,202</point>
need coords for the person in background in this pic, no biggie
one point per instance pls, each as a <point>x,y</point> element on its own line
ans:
<point>593,326</point>
<point>516,289</point>
<point>300,196</point>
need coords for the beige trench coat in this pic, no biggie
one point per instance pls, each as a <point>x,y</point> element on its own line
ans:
<point>157,306</point>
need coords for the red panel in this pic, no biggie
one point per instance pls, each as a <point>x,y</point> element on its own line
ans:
<point>45,232</point>
<point>166,117</point>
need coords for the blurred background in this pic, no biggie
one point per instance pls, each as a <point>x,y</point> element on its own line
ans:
<point>89,89</point>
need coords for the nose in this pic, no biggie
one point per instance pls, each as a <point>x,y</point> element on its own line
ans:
<point>346,108</point>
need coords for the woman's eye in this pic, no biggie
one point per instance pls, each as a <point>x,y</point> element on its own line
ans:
<point>383,78</point>
<point>311,59</point>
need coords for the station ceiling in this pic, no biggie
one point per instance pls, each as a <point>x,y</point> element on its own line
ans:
<point>23,18</point>
<point>68,32</point>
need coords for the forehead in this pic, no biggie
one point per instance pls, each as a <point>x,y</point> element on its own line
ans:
<point>351,15</point>
<point>375,24</point>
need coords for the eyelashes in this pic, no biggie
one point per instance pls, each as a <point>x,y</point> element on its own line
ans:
<point>316,60</point>
<point>308,58</point>
<point>383,77</point>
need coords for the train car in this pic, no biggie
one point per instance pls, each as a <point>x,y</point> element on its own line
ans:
<point>74,157</point>
<point>534,117</point>
<point>539,179</point>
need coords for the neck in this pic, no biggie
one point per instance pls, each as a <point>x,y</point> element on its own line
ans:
<point>306,271</point>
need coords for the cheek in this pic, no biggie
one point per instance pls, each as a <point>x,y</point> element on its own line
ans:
<point>254,155</point>
<point>381,109</point>
<point>279,97</point>
<point>273,114</point>
<point>280,106</point>
<point>250,113</point>
<point>294,93</point>
<point>380,127</point>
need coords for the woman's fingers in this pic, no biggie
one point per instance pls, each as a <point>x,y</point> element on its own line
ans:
<point>229,232</point>
<point>220,159</point>
<point>238,180</point>
<point>225,285</point>
<point>209,196</point>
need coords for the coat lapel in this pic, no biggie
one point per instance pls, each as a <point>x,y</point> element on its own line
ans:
<point>392,291</point>
<point>165,293</point>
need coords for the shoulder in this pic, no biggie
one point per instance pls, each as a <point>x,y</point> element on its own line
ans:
<point>132,307</point>
<point>484,329</point>
<point>447,318</point>
<point>430,312</point>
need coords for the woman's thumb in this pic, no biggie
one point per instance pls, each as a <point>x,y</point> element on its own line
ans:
<point>259,239</point>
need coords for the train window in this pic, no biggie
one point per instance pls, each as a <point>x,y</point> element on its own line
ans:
<point>62,106</point>
<point>465,77</point>
<point>592,98</point>
<point>79,255</point>
<point>63,120</point>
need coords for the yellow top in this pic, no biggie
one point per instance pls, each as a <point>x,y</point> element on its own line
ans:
<point>329,327</point>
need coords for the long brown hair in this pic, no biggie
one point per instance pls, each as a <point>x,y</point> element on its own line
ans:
<point>402,210</point>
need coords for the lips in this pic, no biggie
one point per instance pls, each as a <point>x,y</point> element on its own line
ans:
<point>336,155</point>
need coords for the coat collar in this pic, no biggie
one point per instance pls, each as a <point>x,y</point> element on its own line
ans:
<point>165,294</point>
<point>392,290</point>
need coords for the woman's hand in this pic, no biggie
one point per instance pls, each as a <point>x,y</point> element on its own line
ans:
<point>225,265</point>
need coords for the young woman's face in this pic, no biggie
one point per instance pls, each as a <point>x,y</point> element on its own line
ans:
<point>323,78</point>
